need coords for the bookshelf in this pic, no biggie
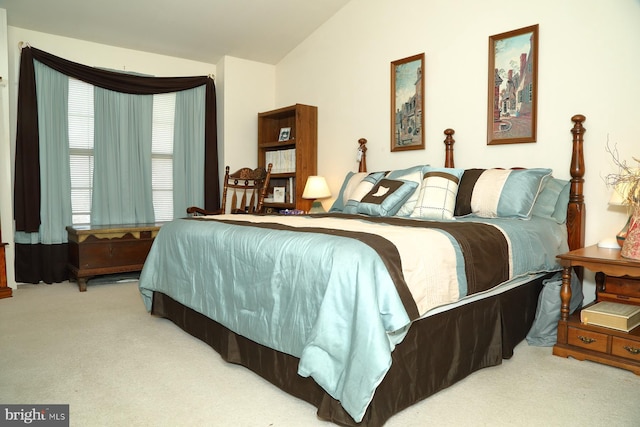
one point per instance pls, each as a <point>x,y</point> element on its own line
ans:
<point>294,159</point>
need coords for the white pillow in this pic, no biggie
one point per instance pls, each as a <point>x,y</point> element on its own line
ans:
<point>437,198</point>
<point>407,208</point>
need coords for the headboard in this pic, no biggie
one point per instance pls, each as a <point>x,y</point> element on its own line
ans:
<point>576,213</point>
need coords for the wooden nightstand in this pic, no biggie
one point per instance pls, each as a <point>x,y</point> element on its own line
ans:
<point>616,279</point>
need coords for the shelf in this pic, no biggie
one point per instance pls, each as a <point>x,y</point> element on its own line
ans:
<point>302,120</point>
<point>278,144</point>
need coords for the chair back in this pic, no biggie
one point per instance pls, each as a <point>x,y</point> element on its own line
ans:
<point>245,189</point>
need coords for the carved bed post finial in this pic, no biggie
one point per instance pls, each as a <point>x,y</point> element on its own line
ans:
<point>448,151</point>
<point>362,155</point>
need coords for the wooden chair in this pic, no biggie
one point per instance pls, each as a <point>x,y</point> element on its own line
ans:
<point>247,189</point>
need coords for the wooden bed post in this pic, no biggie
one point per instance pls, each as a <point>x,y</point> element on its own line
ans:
<point>362,155</point>
<point>448,150</point>
<point>575,219</point>
<point>576,210</point>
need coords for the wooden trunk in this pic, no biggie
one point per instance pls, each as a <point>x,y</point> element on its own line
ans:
<point>108,249</point>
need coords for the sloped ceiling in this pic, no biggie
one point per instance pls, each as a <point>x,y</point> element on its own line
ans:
<point>200,30</point>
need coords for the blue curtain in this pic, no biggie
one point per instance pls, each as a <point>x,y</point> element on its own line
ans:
<point>188,146</point>
<point>122,154</point>
<point>52,90</point>
<point>41,189</point>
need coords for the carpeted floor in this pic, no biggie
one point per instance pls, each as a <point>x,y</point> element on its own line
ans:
<point>115,365</point>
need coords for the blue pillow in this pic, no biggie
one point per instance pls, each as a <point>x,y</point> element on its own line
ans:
<point>348,185</point>
<point>548,199</point>
<point>560,212</point>
<point>386,197</point>
<point>369,181</point>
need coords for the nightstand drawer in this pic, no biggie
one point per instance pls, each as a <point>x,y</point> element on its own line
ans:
<point>587,339</point>
<point>626,348</point>
<point>622,286</point>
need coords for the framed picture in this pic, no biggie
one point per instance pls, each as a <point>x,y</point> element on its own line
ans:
<point>278,194</point>
<point>407,103</point>
<point>285,134</point>
<point>513,86</point>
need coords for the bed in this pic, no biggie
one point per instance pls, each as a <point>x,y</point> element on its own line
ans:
<point>343,311</point>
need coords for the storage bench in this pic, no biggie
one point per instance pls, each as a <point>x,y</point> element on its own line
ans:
<point>107,249</point>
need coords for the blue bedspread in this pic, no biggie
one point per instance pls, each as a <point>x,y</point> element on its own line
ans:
<point>327,299</point>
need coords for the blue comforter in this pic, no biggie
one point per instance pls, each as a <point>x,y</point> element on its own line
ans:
<point>325,298</point>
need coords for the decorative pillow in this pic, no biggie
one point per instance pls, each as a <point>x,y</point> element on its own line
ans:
<point>437,198</point>
<point>560,212</point>
<point>410,203</point>
<point>414,174</point>
<point>363,187</point>
<point>386,197</point>
<point>465,190</point>
<point>545,205</point>
<point>349,184</point>
<point>499,193</point>
<point>352,180</point>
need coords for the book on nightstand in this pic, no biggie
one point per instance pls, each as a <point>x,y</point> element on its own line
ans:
<point>623,317</point>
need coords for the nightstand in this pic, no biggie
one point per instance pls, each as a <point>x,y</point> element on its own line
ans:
<point>617,279</point>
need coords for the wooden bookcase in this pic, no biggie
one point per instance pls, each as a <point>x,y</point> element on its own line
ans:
<point>301,149</point>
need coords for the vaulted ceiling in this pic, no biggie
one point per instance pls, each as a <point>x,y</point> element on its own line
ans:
<point>200,30</point>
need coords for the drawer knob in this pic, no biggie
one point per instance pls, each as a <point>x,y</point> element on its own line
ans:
<point>632,350</point>
<point>586,340</point>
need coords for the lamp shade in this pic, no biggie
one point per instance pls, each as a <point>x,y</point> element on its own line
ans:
<point>620,194</point>
<point>316,188</point>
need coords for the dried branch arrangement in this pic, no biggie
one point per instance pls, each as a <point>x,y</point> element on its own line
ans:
<point>627,180</point>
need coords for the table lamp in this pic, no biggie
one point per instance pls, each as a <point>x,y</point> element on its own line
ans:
<point>316,188</point>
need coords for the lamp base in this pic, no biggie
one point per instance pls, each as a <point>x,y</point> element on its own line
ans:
<point>622,235</point>
<point>317,207</point>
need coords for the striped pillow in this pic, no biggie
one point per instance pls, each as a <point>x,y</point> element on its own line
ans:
<point>499,193</point>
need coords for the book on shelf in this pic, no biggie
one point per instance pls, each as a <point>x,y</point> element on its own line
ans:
<point>292,191</point>
<point>623,317</point>
<point>283,161</point>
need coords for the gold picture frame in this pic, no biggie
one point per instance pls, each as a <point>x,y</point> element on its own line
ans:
<point>513,86</point>
<point>407,103</point>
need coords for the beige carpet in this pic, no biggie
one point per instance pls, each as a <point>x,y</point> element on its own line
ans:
<point>115,365</point>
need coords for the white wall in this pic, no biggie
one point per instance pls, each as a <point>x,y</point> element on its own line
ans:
<point>245,89</point>
<point>588,64</point>
<point>6,208</point>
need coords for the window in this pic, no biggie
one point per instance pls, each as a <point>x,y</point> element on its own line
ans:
<point>162,155</point>
<point>81,124</point>
<point>81,149</point>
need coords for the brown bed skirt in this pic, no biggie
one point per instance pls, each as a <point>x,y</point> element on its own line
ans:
<point>437,352</point>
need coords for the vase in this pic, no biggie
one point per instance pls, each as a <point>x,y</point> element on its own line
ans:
<point>631,246</point>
